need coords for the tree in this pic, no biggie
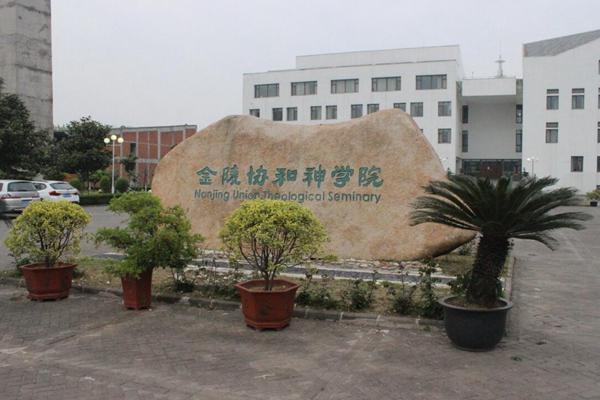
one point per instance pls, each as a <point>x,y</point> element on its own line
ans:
<point>271,235</point>
<point>128,164</point>
<point>498,211</point>
<point>83,150</point>
<point>22,147</point>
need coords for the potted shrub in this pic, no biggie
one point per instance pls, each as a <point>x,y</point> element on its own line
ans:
<point>593,197</point>
<point>154,237</point>
<point>46,233</point>
<point>271,235</point>
<point>498,211</point>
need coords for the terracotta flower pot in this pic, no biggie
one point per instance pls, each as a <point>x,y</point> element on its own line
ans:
<point>267,309</point>
<point>45,283</point>
<point>475,329</point>
<point>137,292</point>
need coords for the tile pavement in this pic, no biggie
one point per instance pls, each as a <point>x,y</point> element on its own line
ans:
<point>88,347</point>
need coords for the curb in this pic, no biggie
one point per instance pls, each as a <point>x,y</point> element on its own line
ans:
<point>508,282</point>
<point>362,319</point>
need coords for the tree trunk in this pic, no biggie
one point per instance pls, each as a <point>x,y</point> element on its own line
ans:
<point>484,288</point>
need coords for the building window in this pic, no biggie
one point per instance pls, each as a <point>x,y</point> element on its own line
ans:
<point>356,111</point>
<point>267,90</point>
<point>401,106</point>
<point>598,164</point>
<point>576,163</point>
<point>133,148</point>
<point>465,114</point>
<point>552,99</point>
<point>292,113</point>
<point>425,82</point>
<point>598,98</point>
<point>444,136</point>
<point>315,113</point>
<point>444,108</point>
<point>344,86</point>
<point>519,141</point>
<point>331,112</point>
<point>519,114</point>
<point>304,88</point>
<point>278,114</point>
<point>385,84</point>
<point>416,109</point>
<point>255,112</point>
<point>371,108</point>
<point>577,99</point>
<point>465,141</point>
<point>551,132</point>
<point>598,133</point>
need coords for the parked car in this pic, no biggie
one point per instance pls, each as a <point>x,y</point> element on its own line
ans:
<point>57,190</point>
<point>15,195</point>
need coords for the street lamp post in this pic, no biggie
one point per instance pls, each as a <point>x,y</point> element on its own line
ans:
<point>113,138</point>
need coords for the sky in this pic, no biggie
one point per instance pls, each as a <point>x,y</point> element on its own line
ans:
<point>175,62</point>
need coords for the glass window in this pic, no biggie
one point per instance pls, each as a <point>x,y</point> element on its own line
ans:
<point>315,113</point>
<point>599,98</point>
<point>519,141</point>
<point>61,186</point>
<point>255,112</point>
<point>292,113</point>
<point>385,84</point>
<point>331,112</point>
<point>266,90</point>
<point>519,114</point>
<point>401,106</point>
<point>344,86</point>
<point>20,187</point>
<point>444,136</point>
<point>577,99</point>
<point>576,163</point>
<point>371,108</point>
<point>551,132</point>
<point>278,114</point>
<point>465,141</point>
<point>552,99</point>
<point>133,148</point>
<point>598,164</point>
<point>416,109</point>
<point>356,111</point>
<point>38,186</point>
<point>304,88</point>
<point>426,82</point>
<point>444,108</point>
<point>465,114</point>
<point>598,132</point>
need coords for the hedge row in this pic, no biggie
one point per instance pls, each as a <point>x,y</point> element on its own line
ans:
<point>92,199</point>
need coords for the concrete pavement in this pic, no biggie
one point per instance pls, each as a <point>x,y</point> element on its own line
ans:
<point>89,347</point>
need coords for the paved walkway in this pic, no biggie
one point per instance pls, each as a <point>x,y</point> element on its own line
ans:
<point>88,347</point>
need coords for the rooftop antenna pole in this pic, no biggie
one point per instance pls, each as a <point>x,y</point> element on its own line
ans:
<point>500,61</point>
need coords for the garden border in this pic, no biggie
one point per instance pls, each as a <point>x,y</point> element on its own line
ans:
<point>364,319</point>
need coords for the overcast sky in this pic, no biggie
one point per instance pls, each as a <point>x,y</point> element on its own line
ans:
<point>168,62</point>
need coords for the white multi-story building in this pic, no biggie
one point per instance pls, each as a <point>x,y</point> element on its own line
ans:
<point>561,101</point>
<point>476,126</point>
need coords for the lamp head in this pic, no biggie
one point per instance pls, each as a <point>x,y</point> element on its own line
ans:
<point>113,137</point>
<point>106,140</point>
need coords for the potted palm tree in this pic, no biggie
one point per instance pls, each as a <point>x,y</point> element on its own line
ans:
<point>154,237</point>
<point>46,234</point>
<point>271,235</point>
<point>498,211</point>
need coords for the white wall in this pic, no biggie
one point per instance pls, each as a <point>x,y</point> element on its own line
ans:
<point>577,136</point>
<point>430,122</point>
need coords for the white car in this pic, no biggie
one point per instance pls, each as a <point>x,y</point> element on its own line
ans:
<point>56,190</point>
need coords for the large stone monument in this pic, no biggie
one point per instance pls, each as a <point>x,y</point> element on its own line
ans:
<point>359,177</point>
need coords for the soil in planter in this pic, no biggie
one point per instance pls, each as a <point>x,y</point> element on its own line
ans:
<point>261,288</point>
<point>462,302</point>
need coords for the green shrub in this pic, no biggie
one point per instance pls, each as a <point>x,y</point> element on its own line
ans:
<point>594,195</point>
<point>154,236</point>
<point>121,185</point>
<point>272,234</point>
<point>105,184</point>
<point>77,184</point>
<point>317,294</point>
<point>47,231</point>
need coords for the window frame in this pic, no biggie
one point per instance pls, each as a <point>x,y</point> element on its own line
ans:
<point>255,112</point>
<point>267,86</point>
<point>449,108</point>
<point>552,132</point>
<point>303,84</point>
<point>280,110</point>
<point>399,104</point>
<point>370,106</point>
<point>396,80</point>
<point>576,161</point>
<point>337,82</point>
<point>421,107</point>
<point>332,108</point>
<point>443,134</point>
<point>464,144</point>
<point>551,96</point>
<point>294,113</point>
<point>357,107</point>
<point>320,113</point>
<point>425,82</point>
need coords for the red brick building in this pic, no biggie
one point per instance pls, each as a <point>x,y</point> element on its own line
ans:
<point>149,145</point>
